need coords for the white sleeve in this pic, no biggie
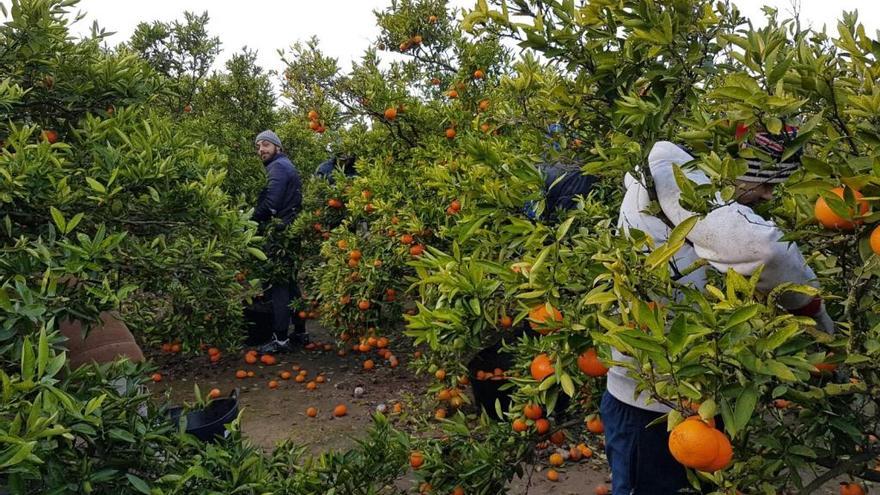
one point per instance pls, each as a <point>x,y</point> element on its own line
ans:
<point>732,236</point>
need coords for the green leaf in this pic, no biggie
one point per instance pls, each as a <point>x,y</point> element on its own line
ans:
<point>138,484</point>
<point>58,218</point>
<point>745,407</point>
<point>257,253</point>
<point>96,186</point>
<point>567,384</point>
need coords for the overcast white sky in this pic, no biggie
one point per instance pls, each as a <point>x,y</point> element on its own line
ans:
<point>346,27</point>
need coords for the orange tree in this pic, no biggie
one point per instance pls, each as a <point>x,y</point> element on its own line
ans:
<point>684,71</point>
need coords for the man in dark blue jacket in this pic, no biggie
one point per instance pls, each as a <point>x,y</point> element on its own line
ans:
<point>281,199</point>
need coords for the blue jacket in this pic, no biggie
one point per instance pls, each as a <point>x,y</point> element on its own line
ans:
<point>282,196</point>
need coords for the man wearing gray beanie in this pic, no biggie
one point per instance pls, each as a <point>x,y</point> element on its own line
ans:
<point>281,199</point>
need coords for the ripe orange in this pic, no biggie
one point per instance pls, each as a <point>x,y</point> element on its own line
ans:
<point>519,425</point>
<point>273,384</point>
<point>875,240</point>
<point>594,424</point>
<point>588,362</point>
<point>781,404</point>
<point>335,203</point>
<point>539,315</point>
<point>585,450</point>
<point>241,374</point>
<point>311,386</point>
<point>455,205</point>
<point>440,413</point>
<point>417,250</point>
<point>313,115</point>
<point>533,411</point>
<point>344,300</point>
<point>369,364</point>
<point>483,105</point>
<point>505,322</point>
<point>452,94</point>
<point>552,475</point>
<point>457,491</point>
<point>478,74</point>
<point>391,113</point>
<point>341,243</point>
<point>406,239</point>
<point>268,359</point>
<point>353,262</point>
<point>214,393</point>
<point>558,438</point>
<point>417,39</point>
<point>213,351</point>
<point>444,395</point>
<point>187,108</point>
<point>435,81</point>
<point>542,426</point>
<point>156,377</point>
<point>851,489</point>
<point>320,379</point>
<point>175,348</point>
<point>398,408</point>
<point>541,367</point>
<point>416,459</point>
<point>311,412</point>
<point>574,454</point>
<point>440,374</point>
<point>285,375</point>
<point>556,460</point>
<point>601,490</point>
<point>313,125</point>
<point>485,127</point>
<point>340,410</point>
<point>450,133</point>
<point>432,19</point>
<point>214,358</point>
<point>831,220</point>
<point>363,305</point>
<point>251,374</point>
<point>166,347</point>
<point>696,445</point>
<point>300,378</point>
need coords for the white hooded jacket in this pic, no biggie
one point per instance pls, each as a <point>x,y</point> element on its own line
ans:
<point>731,236</point>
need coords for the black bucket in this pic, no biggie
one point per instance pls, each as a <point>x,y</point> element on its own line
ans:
<point>486,392</point>
<point>209,423</point>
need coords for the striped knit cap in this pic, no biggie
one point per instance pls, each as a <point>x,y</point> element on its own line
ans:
<point>772,145</point>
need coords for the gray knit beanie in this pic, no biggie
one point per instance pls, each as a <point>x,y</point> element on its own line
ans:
<point>269,136</point>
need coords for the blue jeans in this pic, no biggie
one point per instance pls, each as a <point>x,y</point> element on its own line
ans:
<point>639,455</point>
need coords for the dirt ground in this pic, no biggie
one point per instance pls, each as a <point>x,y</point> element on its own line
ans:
<point>274,415</point>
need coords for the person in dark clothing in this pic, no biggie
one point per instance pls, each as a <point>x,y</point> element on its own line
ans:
<point>325,169</point>
<point>281,199</point>
<point>562,185</point>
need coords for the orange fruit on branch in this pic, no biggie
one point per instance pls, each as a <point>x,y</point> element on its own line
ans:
<point>416,460</point>
<point>539,316</point>
<point>874,241</point>
<point>313,115</point>
<point>594,424</point>
<point>533,411</point>
<point>390,113</point>
<point>156,377</point>
<point>697,445</point>
<point>452,94</point>
<point>450,133</point>
<point>541,367</point>
<point>588,362</point>
<point>542,426</point>
<point>519,425</point>
<point>831,220</point>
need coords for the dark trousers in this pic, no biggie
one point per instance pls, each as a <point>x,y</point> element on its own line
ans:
<point>639,455</point>
<point>282,295</point>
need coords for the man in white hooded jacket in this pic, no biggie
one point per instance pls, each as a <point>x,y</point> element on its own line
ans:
<point>731,236</point>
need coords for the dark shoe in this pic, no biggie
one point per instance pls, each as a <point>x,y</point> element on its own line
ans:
<point>299,339</point>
